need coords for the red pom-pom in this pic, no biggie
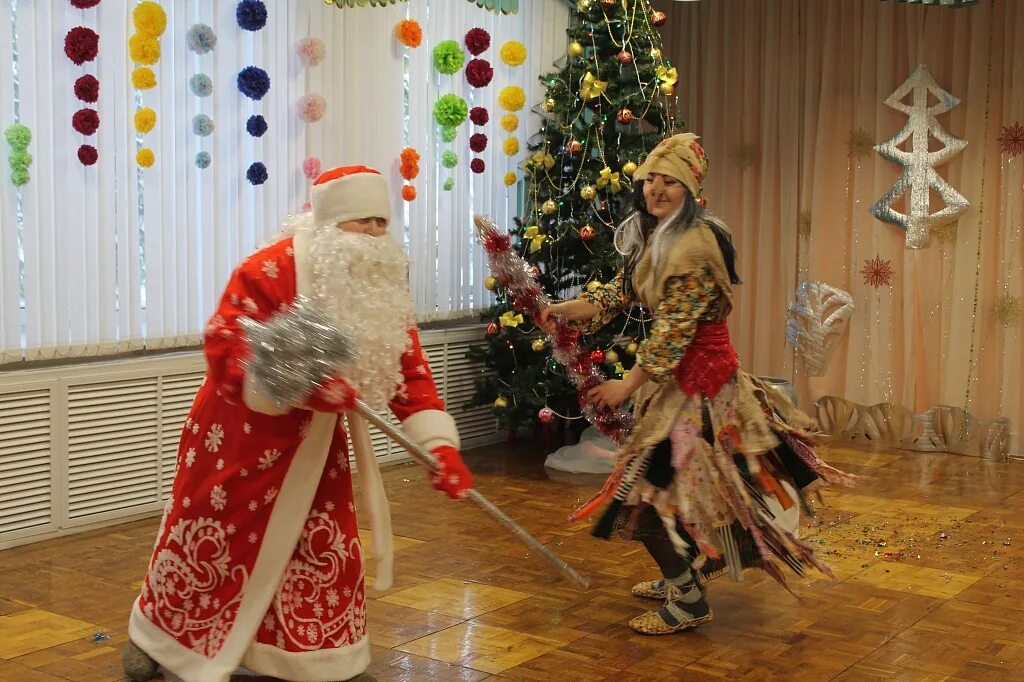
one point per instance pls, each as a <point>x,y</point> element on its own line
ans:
<point>87,154</point>
<point>85,121</point>
<point>84,4</point>
<point>478,143</point>
<point>479,72</point>
<point>477,40</point>
<point>477,166</point>
<point>87,88</point>
<point>81,45</point>
<point>479,116</point>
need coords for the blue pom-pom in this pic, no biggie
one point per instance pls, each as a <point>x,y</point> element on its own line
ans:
<point>202,125</point>
<point>251,15</point>
<point>256,125</point>
<point>201,85</point>
<point>201,38</point>
<point>257,173</point>
<point>203,160</point>
<point>253,82</point>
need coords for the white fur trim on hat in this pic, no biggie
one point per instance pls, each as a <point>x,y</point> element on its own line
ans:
<point>350,197</point>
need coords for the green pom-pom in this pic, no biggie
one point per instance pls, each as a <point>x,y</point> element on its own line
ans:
<point>449,160</point>
<point>448,184</point>
<point>19,176</point>
<point>18,136</point>
<point>448,56</point>
<point>20,159</point>
<point>450,111</point>
<point>448,134</point>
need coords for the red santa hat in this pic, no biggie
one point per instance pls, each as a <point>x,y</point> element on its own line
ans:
<point>349,193</point>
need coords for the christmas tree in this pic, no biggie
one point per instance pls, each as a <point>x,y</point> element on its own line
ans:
<point>606,107</point>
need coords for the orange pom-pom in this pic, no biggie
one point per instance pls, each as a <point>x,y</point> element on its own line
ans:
<point>410,166</point>
<point>409,32</point>
<point>408,192</point>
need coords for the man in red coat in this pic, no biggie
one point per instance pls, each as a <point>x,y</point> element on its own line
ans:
<point>257,561</point>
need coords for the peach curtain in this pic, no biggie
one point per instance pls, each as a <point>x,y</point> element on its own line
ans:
<point>776,89</point>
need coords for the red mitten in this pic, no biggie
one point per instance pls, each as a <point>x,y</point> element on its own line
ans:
<point>452,476</point>
<point>334,396</point>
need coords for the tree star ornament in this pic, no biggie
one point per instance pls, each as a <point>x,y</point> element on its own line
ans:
<point>816,321</point>
<point>295,352</point>
<point>919,175</point>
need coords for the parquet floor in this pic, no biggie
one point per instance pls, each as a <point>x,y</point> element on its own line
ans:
<point>928,554</point>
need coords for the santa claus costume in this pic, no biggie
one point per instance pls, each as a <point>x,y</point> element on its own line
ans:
<point>258,562</point>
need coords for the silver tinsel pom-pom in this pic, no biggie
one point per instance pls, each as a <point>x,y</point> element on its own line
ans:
<point>295,352</point>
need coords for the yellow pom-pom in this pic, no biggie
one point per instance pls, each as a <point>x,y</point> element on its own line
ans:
<point>144,49</point>
<point>150,19</point>
<point>509,122</point>
<point>513,53</point>
<point>510,178</point>
<point>143,78</point>
<point>511,146</point>
<point>512,98</point>
<point>145,157</point>
<point>145,119</point>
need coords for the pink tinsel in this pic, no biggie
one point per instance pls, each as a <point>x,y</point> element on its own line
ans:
<point>311,167</point>
<point>311,51</point>
<point>312,107</point>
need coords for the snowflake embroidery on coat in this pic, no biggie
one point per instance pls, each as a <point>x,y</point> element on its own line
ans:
<point>268,458</point>
<point>253,505</point>
<point>250,305</point>
<point>195,428</point>
<point>246,428</point>
<point>233,298</point>
<point>190,457</point>
<point>270,495</point>
<point>218,498</point>
<point>271,269</point>
<point>289,251</point>
<point>186,502</point>
<point>215,324</point>
<point>220,464</point>
<point>214,438</point>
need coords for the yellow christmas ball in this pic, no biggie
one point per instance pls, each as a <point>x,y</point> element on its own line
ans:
<point>575,49</point>
<point>584,5</point>
<point>655,53</point>
<point>549,104</point>
<point>593,285</point>
<point>588,192</point>
<point>490,284</point>
<point>667,89</point>
<point>538,345</point>
<point>611,357</point>
<point>629,168</point>
<point>549,207</point>
<point>632,348</point>
<point>501,402</point>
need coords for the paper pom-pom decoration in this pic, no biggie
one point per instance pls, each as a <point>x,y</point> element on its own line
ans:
<point>477,40</point>
<point>312,107</point>
<point>409,167</point>
<point>449,159</point>
<point>311,51</point>
<point>253,82</point>
<point>202,125</point>
<point>145,157</point>
<point>513,53</point>
<point>448,184</point>
<point>143,78</point>
<point>84,4</point>
<point>201,85</point>
<point>144,49</point>
<point>145,119</point>
<point>85,121</point>
<point>512,98</point>
<point>448,57</point>
<point>203,160</point>
<point>477,166</point>
<point>256,125</point>
<point>251,15</point>
<point>311,167</point>
<point>479,116</point>
<point>201,38</point>
<point>511,146</point>
<point>257,174</point>
<point>449,133</point>
<point>510,178</point>
<point>88,155</point>
<point>479,73</point>
<point>81,45</point>
<point>509,122</point>
<point>409,193</point>
<point>18,136</point>
<point>87,88</point>
<point>478,142</point>
<point>409,33</point>
<point>450,111</point>
<point>149,19</point>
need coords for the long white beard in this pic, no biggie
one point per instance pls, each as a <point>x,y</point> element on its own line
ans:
<point>362,282</point>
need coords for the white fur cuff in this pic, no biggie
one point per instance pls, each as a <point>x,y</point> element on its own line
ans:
<point>432,429</point>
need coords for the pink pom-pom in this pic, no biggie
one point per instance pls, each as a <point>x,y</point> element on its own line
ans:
<point>311,167</point>
<point>312,107</point>
<point>312,51</point>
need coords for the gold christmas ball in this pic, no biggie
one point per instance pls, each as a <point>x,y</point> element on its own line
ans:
<point>538,345</point>
<point>490,284</point>
<point>575,50</point>
<point>629,168</point>
<point>625,57</point>
<point>632,348</point>
<point>584,5</point>
<point>501,402</point>
<point>588,192</point>
<point>549,104</point>
<point>611,357</point>
<point>655,53</point>
<point>667,89</point>
<point>658,18</point>
<point>593,285</point>
<point>549,207</point>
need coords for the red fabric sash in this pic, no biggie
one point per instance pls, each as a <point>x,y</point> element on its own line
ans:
<point>708,362</point>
